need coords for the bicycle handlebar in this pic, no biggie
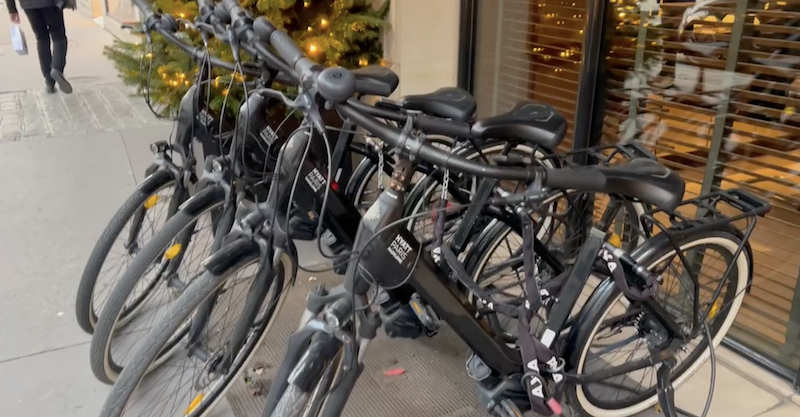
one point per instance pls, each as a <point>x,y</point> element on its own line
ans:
<point>338,85</point>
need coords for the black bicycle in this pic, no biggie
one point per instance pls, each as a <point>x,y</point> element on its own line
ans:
<point>325,356</point>
<point>238,253</point>
<point>203,221</point>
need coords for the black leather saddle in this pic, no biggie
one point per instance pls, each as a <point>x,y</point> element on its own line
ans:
<point>383,79</point>
<point>645,180</point>
<point>449,102</point>
<point>529,121</point>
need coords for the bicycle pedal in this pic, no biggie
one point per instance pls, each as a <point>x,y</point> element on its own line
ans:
<point>506,408</point>
<point>425,314</point>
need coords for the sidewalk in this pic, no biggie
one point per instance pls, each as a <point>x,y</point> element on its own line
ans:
<point>100,103</point>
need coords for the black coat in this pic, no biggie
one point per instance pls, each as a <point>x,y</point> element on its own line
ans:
<point>29,4</point>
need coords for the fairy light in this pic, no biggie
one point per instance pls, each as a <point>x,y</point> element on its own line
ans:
<point>310,29</point>
<point>182,15</point>
<point>149,55</point>
<point>363,62</point>
<point>323,23</point>
<point>307,4</point>
<point>312,48</point>
<point>225,92</point>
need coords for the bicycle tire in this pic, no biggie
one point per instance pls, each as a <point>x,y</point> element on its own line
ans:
<point>102,364</point>
<point>652,253</point>
<point>245,253</point>
<point>292,403</point>
<point>86,312</point>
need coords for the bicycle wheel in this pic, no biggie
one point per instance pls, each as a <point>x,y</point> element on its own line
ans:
<point>310,401</point>
<point>135,223</point>
<point>187,382</point>
<point>152,282</point>
<point>495,259</point>
<point>615,322</point>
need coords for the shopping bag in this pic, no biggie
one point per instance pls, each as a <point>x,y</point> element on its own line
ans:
<point>18,40</point>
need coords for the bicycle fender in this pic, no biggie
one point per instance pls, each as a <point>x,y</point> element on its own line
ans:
<point>232,254</point>
<point>155,180</point>
<point>659,241</point>
<point>202,199</point>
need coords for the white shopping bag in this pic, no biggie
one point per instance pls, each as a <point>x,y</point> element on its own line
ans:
<point>18,40</point>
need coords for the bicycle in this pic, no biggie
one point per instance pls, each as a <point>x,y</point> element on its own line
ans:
<point>243,255</point>
<point>169,248</point>
<point>325,355</point>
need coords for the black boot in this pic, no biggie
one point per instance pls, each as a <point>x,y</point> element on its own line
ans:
<point>63,84</point>
<point>51,88</point>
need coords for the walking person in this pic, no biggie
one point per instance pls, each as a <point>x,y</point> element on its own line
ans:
<point>47,21</point>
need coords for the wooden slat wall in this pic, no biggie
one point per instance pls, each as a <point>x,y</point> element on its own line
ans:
<point>676,93</point>
<point>669,98</point>
<point>528,50</point>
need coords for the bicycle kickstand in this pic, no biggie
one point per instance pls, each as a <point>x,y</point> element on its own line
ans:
<point>666,393</point>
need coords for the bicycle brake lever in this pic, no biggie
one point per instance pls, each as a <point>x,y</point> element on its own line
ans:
<point>132,26</point>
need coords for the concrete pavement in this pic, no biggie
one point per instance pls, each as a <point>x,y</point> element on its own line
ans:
<point>68,162</point>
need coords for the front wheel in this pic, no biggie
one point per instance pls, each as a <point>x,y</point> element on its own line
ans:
<point>139,218</point>
<point>292,403</point>
<point>611,328</point>
<point>192,380</point>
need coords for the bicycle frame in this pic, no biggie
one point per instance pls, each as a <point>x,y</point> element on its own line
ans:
<point>418,271</point>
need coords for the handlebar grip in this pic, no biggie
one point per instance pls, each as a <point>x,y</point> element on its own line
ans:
<point>568,178</point>
<point>286,47</point>
<point>372,88</point>
<point>290,53</point>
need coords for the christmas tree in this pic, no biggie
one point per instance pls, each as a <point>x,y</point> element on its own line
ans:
<point>331,32</point>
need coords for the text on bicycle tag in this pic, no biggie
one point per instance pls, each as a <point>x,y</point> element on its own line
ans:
<point>315,180</point>
<point>399,249</point>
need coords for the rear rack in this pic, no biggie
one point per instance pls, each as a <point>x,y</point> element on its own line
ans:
<point>709,211</point>
<point>603,154</point>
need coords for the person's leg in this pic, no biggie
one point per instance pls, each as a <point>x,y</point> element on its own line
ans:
<point>54,17</point>
<point>39,26</point>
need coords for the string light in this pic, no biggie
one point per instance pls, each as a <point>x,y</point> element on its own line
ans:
<point>225,92</point>
<point>312,48</point>
<point>323,23</point>
<point>363,62</point>
<point>181,15</point>
<point>309,29</point>
<point>307,4</point>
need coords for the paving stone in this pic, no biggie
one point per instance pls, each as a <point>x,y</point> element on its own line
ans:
<point>106,107</point>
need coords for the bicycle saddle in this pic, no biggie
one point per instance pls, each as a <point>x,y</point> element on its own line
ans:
<point>450,102</point>
<point>377,74</point>
<point>529,121</point>
<point>646,180</point>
